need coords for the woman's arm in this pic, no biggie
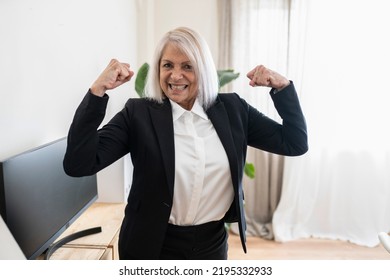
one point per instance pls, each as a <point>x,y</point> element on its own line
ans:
<point>89,149</point>
<point>288,138</point>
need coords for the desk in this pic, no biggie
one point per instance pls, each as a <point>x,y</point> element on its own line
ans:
<point>99,246</point>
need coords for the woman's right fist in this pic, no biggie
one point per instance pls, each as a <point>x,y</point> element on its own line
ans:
<point>115,74</point>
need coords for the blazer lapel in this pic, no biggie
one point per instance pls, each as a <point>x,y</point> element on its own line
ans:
<point>220,119</point>
<point>161,115</point>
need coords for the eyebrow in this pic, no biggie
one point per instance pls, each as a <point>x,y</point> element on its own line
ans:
<point>167,60</point>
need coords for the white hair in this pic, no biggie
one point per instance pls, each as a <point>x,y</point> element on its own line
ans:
<point>196,49</point>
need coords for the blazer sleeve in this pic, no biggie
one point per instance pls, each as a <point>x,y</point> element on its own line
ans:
<point>288,138</point>
<point>90,149</point>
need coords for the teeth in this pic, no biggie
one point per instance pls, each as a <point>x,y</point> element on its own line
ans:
<point>178,87</point>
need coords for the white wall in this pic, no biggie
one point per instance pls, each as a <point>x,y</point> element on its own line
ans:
<point>9,248</point>
<point>50,53</point>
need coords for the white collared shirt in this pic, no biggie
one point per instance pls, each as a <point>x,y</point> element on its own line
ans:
<point>203,190</point>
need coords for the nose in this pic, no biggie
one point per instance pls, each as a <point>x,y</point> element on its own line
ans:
<point>176,74</point>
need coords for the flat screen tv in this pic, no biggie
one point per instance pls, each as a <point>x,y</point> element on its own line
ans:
<point>38,201</point>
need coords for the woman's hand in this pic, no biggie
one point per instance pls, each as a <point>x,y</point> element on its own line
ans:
<point>262,76</point>
<point>115,74</point>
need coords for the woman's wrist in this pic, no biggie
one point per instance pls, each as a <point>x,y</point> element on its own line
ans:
<point>97,90</point>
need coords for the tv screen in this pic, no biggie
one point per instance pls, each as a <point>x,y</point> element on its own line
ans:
<point>38,201</point>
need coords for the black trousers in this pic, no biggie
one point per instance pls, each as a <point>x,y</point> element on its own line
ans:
<point>200,242</point>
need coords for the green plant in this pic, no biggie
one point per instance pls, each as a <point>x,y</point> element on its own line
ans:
<point>224,76</point>
<point>140,79</point>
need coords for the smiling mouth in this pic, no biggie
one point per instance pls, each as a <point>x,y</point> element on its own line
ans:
<point>177,87</point>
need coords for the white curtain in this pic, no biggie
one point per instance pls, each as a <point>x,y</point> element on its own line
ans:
<point>341,188</point>
<point>337,54</point>
<point>253,33</point>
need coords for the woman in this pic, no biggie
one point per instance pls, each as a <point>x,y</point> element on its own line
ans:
<point>188,147</point>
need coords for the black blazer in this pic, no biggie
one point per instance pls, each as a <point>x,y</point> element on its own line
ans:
<point>144,129</point>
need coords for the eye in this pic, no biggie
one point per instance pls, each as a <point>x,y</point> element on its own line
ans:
<point>166,65</point>
<point>187,67</point>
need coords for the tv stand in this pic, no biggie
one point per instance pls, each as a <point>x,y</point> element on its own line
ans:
<point>70,238</point>
<point>98,246</point>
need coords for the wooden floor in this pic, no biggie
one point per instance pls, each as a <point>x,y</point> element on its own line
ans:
<point>305,249</point>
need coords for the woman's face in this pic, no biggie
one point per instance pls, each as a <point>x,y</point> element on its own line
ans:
<point>177,77</point>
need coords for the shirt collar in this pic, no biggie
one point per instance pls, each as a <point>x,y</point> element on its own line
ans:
<point>178,111</point>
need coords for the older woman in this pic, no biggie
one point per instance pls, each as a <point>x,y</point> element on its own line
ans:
<point>188,147</point>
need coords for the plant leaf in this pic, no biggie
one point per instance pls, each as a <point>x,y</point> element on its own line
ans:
<point>140,80</point>
<point>226,76</point>
<point>249,170</point>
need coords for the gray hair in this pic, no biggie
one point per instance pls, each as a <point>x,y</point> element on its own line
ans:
<point>198,52</point>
